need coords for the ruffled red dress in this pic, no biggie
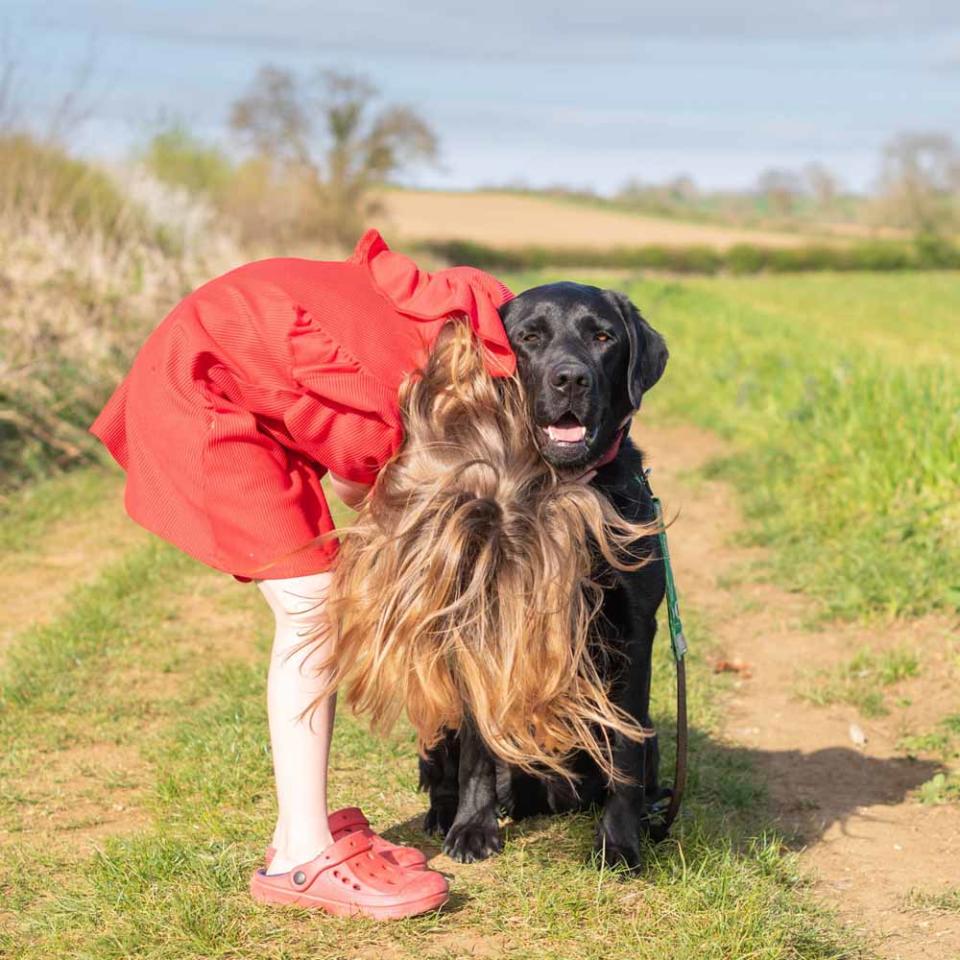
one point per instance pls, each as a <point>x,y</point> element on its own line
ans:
<point>262,380</point>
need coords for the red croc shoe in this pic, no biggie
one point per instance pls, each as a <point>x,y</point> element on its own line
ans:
<point>349,879</point>
<point>351,820</point>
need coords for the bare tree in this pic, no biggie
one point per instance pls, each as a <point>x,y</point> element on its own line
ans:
<point>64,116</point>
<point>273,118</point>
<point>781,189</point>
<point>328,128</point>
<point>920,183</point>
<point>821,184</point>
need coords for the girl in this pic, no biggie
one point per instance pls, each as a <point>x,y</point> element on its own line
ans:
<point>463,590</point>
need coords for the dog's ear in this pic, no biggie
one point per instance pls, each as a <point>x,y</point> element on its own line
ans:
<point>648,350</point>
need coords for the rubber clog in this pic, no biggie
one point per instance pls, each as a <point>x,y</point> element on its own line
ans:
<point>349,879</point>
<point>352,820</point>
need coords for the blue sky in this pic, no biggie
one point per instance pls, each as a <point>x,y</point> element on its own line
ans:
<point>588,93</point>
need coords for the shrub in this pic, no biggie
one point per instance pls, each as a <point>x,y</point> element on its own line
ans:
<point>175,156</point>
<point>742,258</point>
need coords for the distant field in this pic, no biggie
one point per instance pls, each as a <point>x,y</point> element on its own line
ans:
<point>907,317</point>
<point>511,220</point>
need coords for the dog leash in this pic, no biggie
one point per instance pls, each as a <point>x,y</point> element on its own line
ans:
<point>678,644</point>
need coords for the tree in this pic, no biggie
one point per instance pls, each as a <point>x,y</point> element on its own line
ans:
<point>780,189</point>
<point>326,132</point>
<point>821,184</point>
<point>920,183</point>
<point>175,155</point>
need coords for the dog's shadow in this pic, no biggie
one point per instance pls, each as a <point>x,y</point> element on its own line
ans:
<point>739,792</point>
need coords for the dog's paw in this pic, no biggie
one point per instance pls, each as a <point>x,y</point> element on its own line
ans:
<point>439,819</point>
<point>473,840</point>
<point>615,848</point>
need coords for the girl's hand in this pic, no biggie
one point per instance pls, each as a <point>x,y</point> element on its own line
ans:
<point>349,491</point>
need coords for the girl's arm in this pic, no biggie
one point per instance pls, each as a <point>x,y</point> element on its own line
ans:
<point>349,491</point>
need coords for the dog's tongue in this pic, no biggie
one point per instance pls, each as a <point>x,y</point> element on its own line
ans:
<point>566,430</point>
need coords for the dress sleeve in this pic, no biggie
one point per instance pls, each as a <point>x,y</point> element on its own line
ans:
<point>345,419</point>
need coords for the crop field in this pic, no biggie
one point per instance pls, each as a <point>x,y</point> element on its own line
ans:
<point>807,434</point>
<point>516,220</point>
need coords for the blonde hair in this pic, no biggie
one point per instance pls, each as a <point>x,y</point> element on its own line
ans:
<point>466,587</point>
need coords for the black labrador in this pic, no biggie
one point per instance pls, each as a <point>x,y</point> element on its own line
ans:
<point>586,357</point>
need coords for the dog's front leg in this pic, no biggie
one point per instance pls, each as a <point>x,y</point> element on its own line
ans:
<point>439,776</point>
<point>625,822</point>
<point>475,834</point>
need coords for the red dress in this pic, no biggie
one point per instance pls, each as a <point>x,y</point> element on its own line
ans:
<point>263,379</point>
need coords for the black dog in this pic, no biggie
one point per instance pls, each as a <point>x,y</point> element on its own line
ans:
<point>586,357</point>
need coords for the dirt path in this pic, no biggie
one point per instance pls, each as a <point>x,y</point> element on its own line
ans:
<point>865,837</point>
<point>35,582</point>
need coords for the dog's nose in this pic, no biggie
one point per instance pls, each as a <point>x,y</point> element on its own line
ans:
<point>569,377</point>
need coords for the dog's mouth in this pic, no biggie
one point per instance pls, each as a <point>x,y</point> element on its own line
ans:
<point>567,431</point>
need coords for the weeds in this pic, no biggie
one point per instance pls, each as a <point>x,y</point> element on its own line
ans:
<point>947,901</point>
<point>85,275</point>
<point>861,681</point>
<point>944,786</point>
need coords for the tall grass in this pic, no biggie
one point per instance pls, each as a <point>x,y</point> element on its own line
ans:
<point>848,458</point>
<point>85,273</point>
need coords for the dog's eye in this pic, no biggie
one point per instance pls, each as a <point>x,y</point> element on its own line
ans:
<point>530,337</point>
<point>601,337</point>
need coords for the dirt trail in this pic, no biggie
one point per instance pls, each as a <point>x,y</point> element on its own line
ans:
<point>34,582</point>
<point>864,836</point>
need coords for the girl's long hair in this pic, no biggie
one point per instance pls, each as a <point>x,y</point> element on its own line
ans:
<point>465,588</point>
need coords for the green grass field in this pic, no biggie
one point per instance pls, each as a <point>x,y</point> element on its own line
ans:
<point>839,396</point>
<point>142,701</point>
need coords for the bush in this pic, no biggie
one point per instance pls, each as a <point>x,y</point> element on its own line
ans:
<point>177,157</point>
<point>42,180</point>
<point>85,274</point>
<point>743,258</point>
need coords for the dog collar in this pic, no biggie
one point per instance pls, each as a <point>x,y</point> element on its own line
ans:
<point>612,450</point>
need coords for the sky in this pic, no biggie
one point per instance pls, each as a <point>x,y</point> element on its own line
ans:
<point>588,94</point>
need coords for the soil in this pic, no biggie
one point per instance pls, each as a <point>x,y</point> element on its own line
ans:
<point>851,809</point>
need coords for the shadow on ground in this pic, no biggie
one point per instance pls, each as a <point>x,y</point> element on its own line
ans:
<point>743,792</point>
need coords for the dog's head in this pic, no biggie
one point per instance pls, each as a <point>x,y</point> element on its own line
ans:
<point>585,357</point>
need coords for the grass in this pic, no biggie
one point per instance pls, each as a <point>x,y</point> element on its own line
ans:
<point>943,741</point>
<point>131,666</point>
<point>87,273</point>
<point>947,901</point>
<point>860,682</point>
<point>844,435</point>
<point>906,318</point>
<point>31,510</point>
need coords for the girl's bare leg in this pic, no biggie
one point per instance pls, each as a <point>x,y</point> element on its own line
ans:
<point>301,748</point>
